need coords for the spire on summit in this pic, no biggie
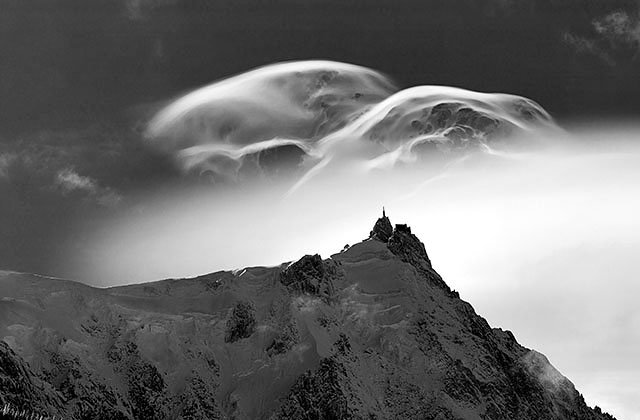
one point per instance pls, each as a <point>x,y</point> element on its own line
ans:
<point>383,229</point>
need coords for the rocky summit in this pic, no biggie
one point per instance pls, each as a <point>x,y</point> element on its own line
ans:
<point>372,332</point>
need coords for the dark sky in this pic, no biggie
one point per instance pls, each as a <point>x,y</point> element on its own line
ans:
<point>79,77</point>
<point>78,60</point>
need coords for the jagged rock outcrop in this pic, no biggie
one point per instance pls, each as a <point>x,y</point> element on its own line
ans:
<point>318,395</point>
<point>408,247</point>
<point>310,274</point>
<point>22,390</point>
<point>241,323</point>
<point>402,243</point>
<point>284,341</point>
<point>371,333</point>
<point>383,229</point>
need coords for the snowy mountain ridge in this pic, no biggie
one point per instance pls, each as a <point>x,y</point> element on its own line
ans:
<point>371,333</point>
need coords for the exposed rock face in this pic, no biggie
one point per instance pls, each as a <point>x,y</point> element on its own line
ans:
<point>402,243</point>
<point>242,322</point>
<point>318,395</point>
<point>382,230</point>
<point>408,247</point>
<point>371,333</point>
<point>21,389</point>
<point>284,341</point>
<point>310,274</point>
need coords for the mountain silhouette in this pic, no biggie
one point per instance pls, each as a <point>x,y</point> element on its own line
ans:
<point>373,332</point>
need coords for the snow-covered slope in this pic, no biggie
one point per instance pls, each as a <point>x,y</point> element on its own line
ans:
<point>372,332</point>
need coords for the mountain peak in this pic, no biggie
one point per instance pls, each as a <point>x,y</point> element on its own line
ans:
<point>407,246</point>
<point>400,241</point>
<point>371,333</point>
<point>383,229</point>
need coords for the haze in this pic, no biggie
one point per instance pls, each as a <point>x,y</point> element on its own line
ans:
<point>541,241</point>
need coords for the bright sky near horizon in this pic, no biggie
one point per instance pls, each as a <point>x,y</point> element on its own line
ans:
<point>542,243</point>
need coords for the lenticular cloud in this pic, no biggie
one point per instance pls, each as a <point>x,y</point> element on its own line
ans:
<point>299,116</point>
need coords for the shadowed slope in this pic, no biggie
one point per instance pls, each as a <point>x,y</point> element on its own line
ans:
<point>372,332</point>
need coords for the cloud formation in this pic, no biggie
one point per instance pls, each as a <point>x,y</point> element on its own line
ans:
<point>302,115</point>
<point>583,45</point>
<point>69,182</point>
<point>614,38</point>
<point>255,122</point>
<point>619,28</point>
